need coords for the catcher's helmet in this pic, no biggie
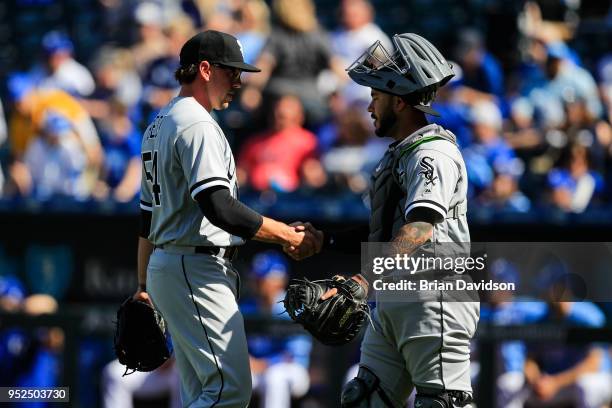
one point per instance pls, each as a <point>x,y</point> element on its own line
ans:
<point>415,68</point>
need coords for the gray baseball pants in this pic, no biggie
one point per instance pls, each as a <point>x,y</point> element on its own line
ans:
<point>420,344</point>
<point>196,294</point>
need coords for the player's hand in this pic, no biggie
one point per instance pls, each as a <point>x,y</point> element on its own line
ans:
<point>310,245</point>
<point>142,296</point>
<point>357,278</point>
<point>316,236</point>
<point>305,247</point>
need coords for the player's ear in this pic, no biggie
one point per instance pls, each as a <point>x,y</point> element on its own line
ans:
<point>399,105</point>
<point>205,70</point>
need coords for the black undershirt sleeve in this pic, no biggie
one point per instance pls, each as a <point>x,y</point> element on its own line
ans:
<point>145,223</point>
<point>227,213</point>
<point>424,214</point>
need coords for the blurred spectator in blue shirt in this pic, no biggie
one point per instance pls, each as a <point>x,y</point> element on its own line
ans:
<point>151,43</point>
<point>279,364</point>
<point>3,147</point>
<point>502,308</point>
<point>357,32</point>
<point>574,184</point>
<point>327,132</point>
<point>253,28</point>
<point>13,342</point>
<point>454,108</point>
<point>350,162</point>
<point>603,128</point>
<point>581,128</point>
<point>522,132</point>
<point>481,70</point>
<point>116,78</point>
<point>60,69</point>
<point>29,359</point>
<point>604,74</point>
<point>561,374</point>
<point>562,78</point>
<point>489,152</point>
<point>159,84</point>
<point>56,162</point>
<point>31,106</point>
<point>504,195</point>
<point>12,293</point>
<point>566,76</point>
<point>121,171</point>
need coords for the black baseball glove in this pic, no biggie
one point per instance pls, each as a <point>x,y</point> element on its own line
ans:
<point>335,320</point>
<point>140,342</point>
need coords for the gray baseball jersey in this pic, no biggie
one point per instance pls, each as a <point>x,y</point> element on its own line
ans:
<point>433,175</point>
<point>430,172</point>
<point>190,147</point>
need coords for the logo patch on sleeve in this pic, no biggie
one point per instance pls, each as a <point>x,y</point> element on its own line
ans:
<point>427,171</point>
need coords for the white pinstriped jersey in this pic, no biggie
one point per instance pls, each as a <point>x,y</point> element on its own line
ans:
<point>184,151</point>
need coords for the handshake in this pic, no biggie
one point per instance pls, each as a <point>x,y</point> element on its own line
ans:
<point>304,241</point>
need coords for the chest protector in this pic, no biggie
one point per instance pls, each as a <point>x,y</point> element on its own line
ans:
<point>386,193</point>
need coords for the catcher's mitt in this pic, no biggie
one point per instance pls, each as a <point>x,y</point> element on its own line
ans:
<point>140,342</point>
<point>335,320</point>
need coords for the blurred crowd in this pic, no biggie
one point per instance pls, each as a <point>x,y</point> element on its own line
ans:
<point>535,132</point>
<point>546,374</point>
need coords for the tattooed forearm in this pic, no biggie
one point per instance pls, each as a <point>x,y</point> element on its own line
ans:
<point>411,236</point>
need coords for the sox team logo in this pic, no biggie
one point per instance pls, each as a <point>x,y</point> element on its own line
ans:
<point>428,170</point>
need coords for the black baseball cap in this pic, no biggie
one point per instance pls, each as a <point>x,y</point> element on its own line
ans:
<point>217,48</point>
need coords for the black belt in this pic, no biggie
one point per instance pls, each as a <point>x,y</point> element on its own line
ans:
<point>224,252</point>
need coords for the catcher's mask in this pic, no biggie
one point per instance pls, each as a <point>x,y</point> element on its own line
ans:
<point>416,69</point>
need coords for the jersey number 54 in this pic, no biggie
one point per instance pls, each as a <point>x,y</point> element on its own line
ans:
<point>151,176</point>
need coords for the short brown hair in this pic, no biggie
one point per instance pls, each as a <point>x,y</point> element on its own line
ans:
<point>186,75</point>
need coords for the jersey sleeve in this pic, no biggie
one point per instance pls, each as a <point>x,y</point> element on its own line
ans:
<point>202,150</point>
<point>429,179</point>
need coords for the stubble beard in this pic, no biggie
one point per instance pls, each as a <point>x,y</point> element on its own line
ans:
<point>385,123</point>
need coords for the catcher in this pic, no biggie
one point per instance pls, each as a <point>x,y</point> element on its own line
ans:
<point>418,195</point>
